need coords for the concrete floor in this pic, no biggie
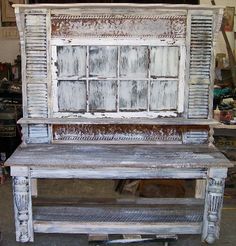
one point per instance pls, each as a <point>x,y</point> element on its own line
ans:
<point>53,188</point>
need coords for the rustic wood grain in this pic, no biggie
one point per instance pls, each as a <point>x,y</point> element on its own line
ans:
<point>152,156</point>
<point>114,120</point>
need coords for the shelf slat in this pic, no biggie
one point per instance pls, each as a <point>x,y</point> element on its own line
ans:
<point>100,121</point>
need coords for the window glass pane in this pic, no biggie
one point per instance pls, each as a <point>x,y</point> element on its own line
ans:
<point>103,61</point>
<point>72,95</point>
<point>133,95</point>
<point>163,95</point>
<point>134,62</point>
<point>164,61</point>
<point>71,61</point>
<point>102,95</point>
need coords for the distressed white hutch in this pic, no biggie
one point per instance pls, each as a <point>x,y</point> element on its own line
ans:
<point>118,92</point>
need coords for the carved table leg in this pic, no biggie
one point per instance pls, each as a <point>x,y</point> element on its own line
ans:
<point>213,204</point>
<point>23,209</point>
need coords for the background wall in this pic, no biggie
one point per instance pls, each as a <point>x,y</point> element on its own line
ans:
<point>9,49</point>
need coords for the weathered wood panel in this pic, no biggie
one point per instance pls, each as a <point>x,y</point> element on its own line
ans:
<point>72,96</point>
<point>37,133</point>
<point>134,61</point>
<point>119,121</point>
<point>164,61</point>
<point>133,95</point>
<point>118,156</point>
<point>71,61</point>
<point>114,201</point>
<point>169,26</point>
<point>163,95</point>
<point>111,228</point>
<point>118,173</point>
<point>102,95</point>
<point>196,137</point>
<point>103,61</point>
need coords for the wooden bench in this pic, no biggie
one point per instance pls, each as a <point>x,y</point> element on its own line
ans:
<point>118,92</point>
<point>175,216</point>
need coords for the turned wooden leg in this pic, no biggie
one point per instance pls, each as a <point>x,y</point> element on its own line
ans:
<point>213,204</point>
<point>23,209</point>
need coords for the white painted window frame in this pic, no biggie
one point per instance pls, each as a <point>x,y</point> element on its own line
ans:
<point>181,43</point>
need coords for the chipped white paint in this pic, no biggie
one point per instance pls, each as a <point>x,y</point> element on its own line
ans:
<point>159,26</point>
<point>119,115</point>
<point>115,41</point>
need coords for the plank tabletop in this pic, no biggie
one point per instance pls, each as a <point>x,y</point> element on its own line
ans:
<point>96,156</point>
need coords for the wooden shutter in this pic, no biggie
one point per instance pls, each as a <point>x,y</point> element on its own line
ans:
<point>200,65</point>
<point>36,72</point>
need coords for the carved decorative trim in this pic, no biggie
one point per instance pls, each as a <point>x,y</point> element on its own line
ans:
<point>161,26</point>
<point>21,199</point>
<point>215,202</point>
<point>116,133</point>
<point>151,17</point>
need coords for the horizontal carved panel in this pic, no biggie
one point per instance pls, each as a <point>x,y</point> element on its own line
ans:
<point>128,133</point>
<point>116,133</point>
<point>168,26</point>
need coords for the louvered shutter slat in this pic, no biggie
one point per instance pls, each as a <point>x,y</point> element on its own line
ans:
<point>200,66</point>
<point>36,74</point>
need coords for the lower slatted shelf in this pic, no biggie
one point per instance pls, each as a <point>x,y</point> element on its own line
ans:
<point>118,219</point>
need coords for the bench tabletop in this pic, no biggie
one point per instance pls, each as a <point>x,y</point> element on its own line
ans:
<point>94,156</point>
